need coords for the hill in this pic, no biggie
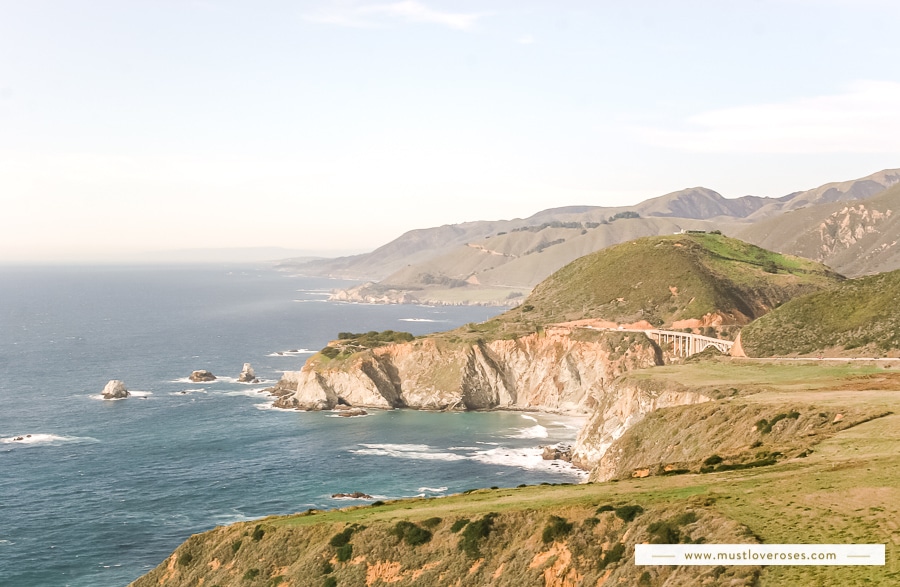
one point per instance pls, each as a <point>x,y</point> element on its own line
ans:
<point>495,262</point>
<point>854,239</point>
<point>679,281</point>
<point>843,488</point>
<point>860,316</point>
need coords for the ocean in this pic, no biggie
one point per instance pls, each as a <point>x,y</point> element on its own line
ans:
<point>95,493</point>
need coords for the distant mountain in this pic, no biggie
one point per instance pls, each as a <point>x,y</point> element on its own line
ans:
<point>855,238</point>
<point>860,316</point>
<point>499,261</point>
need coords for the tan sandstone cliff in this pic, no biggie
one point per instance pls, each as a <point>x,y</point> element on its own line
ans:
<point>560,370</point>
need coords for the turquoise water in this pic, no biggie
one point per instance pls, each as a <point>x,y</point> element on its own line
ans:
<point>103,491</point>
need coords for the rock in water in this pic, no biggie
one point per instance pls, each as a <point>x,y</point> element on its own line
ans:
<point>248,375</point>
<point>202,375</point>
<point>115,389</point>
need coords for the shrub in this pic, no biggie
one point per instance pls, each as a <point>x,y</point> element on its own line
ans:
<point>459,525</point>
<point>342,538</point>
<point>258,533</point>
<point>474,532</point>
<point>557,528</point>
<point>276,580</point>
<point>185,558</point>
<point>410,533</point>
<point>345,553</point>
<point>377,503</point>
<point>327,568</point>
<point>628,512</point>
<point>330,352</point>
<point>235,546</point>
<point>664,533</point>
<point>613,555</point>
<point>330,582</point>
<point>251,574</point>
<point>591,522</point>
<point>605,508</point>
<point>713,460</point>
<point>431,522</point>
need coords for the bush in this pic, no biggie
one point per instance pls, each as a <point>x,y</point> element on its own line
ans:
<point>613,555</point>
<point>474,532</point>
<point>605,508</point>
<point>342,538</point>
<point>459,525</point>
<point>713,460</point>
<point>664,533</point>
<point>251,574</point>
<point>345,553</point>
<point>628,512</point>
<point>557,528</point>
<point>330,352</point>
<point>330,582</point>
<point>185,558</point>
<point>431,523</point>
<point>327,568</point>
<point>410,533</point>
<point>258,533</point>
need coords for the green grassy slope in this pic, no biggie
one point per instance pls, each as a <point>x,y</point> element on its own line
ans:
<point>669,278</point>
<point>846,491</point>
<point>861,315</point>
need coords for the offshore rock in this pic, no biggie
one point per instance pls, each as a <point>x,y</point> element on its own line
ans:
<point>559,370</point>
<point>115,389</point>
<point>201,376</point>
<point>247,374</point>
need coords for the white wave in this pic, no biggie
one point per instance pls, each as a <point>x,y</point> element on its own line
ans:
<point>463,448</point>
<point>272,407</point>
<point>536,431</point>
<point>291,353</point>
<point>6,542</point>
<point>420,320</point>
<point>136,394</point>
<point>187,391</point>
<point>487,443</point>
<point>45,439</point>
<point>421,452</point>
<point>310,301</point>
<point>527,417</point>
<point>432,489</point>
<point>257,392</point>
<point>345,417</point>
<point>525,458</point>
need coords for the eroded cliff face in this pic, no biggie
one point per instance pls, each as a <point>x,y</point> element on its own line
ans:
<point>627,403</point>
<point>561,370</point>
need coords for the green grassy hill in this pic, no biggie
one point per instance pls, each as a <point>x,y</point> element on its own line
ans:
<point>861,316</point>
<point>845,489</point>
<point>669,278</point>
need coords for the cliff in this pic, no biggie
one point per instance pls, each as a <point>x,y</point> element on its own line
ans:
<point>561,369</point>
<point>630,401</point>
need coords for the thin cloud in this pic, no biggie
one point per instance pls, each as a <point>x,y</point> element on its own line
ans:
<point>526,40</point>
<point>864,118</point>
<point>406,11</point>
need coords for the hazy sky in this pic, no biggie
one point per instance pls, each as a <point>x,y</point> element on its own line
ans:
<point>129,126</point>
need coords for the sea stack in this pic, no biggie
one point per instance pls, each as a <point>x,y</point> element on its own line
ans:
<point>115,389</point>
<point>202,375</point>
<point>247,374</point>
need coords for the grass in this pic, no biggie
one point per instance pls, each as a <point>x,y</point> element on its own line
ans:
<point>861,315</point>
<point>847,490</point>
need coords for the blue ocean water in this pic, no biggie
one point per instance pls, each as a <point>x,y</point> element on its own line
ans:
<point>102,491</point>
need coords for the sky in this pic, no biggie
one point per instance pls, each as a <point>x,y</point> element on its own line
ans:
<point>332,126</point>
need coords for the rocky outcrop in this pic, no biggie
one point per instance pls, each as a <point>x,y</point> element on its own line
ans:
<point>201,376</point>
<point>115,389</point>
<point>248,375</point>
<point>560,370</point>
<point>627,402</point>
